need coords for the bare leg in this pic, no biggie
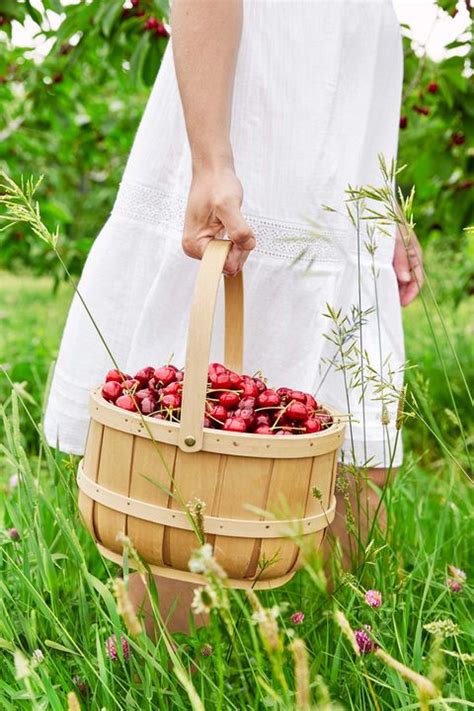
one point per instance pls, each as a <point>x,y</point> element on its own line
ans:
<point>175,601</point>
<point>356,507</point>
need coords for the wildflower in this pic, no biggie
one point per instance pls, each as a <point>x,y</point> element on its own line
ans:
<point>125,608</point>
<point>204,600</point>
<point>37,656</point>
<point>206,650</point>
<point>198,563</point>
<point>13,482</point>
<point>111,650</point>
<point>457,574</point>
<point>297,618</point>
<point>13,533</point>
<point>80,685</point>
<point>373,598</point>
<point>454,585</point>
<point>364,642</point>
<point>446,628</point>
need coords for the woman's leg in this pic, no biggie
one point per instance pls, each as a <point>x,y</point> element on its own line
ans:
<point>357,504</point>
<point>175,599</point>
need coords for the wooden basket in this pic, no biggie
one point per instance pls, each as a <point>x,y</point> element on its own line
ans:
<point>129,471</point>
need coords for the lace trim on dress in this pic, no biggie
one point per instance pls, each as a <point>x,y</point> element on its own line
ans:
<point>276,238</point>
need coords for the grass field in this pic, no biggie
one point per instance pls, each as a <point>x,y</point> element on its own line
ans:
<point>57,606</point>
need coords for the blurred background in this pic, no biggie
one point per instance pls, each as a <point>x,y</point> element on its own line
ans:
<point>74,80</point>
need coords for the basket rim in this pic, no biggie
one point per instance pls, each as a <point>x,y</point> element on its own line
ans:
<point>218,440</point>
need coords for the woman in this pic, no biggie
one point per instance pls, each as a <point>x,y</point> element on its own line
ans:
<point>293,100</point>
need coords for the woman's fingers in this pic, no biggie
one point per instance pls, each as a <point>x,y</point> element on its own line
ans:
<point>408,266</point>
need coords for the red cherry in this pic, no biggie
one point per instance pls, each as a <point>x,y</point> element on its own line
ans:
<point>159,416</point>
<point>247,402</point>
<point>131,384</point>
<point>126,403</point>
<point>458,138</point>
<point>283,393</point>
<point>235,424</point>
<point>403,122</point>
<point>297,395</point>
<point>174,388</point>
<point>433,87</point>
<point>207,422</point>
<point>261,385</point>
<point>250,389</point>
<point>247,414</point>
<point>218,412</point>
<point>171,401</point>
<point>165,375</point>
<point>268,398</point>
<point>264,430</point>
<point>142,394</point>
<point>297,411</point>
<point>262,419</point>
<point>284,433</point>
<point>235,380</point>
<point>312,424</point>
<point>180,376</point>
<point>148,405</point>
<point>229,400</point>
<point>326,419</point>
<point>117,376</point>
<point>135,3</point>
<point>216,368</point>
<point>311,403</point>
<point>144,375</point>
<point>111,390</point>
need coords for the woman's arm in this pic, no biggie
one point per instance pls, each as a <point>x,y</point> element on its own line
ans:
<point>206,38</point>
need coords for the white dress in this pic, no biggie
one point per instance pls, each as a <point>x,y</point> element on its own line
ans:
<point>316,99</point>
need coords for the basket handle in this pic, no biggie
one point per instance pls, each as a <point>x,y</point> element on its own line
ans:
<point>199,338</point>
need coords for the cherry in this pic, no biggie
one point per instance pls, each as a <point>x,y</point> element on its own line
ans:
<point>264,430</point>
<point>171,401</point>
<point>261,385</point>
<point>142,394</point>
<point>148,405</point>
<point>433,87</point>
<point>297,395</point>
<point>135,3</point>
<point>111,390</point>
<point>219,413</point>
<point>268,398</point>
<point>250,388</point>
<point>326,419</point>
<point>458,138</point>
<point>297,411</point>
<point>174,388</point>
<point>235,424</point>
<point>229,400</point>
<point>284,433</point>
<point>247,414</point>
<point>130,384</point>
<point>126,403</point>
<point>117,376</point>
<point>235,380</point>
<point>247,402</point>
<point>311,403</point>
<point>165,375</point>
<point>158,416</point>
<point>207,422</point>
<point>216,368</point>
<point>283,393</point>
<point>161,31</point>
<point>152,23</point>
<point>312,424</point>
<point>220,381</point>
<point>144,375</point>
<point>262,419</point>
<point>180,376</point>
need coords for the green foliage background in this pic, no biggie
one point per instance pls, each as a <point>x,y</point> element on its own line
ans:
<point>73,118</point>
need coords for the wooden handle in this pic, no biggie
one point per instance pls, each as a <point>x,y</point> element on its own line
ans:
<point>199,338</point>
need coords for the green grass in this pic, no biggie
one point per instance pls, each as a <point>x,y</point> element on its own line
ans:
<point>55,589</point>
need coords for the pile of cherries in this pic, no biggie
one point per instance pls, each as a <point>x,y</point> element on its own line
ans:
<point>238,403</point>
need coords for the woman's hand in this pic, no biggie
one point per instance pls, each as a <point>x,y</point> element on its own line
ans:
<point>213,209</point>
<point>408,266</point>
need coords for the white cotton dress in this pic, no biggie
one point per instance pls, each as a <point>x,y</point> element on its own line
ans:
<point>316,99</point>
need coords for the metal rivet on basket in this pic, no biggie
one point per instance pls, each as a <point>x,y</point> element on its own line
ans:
<point>190,440</point>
